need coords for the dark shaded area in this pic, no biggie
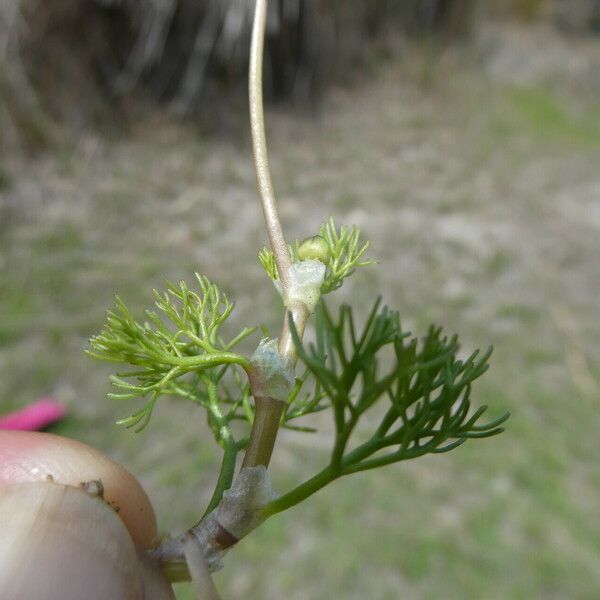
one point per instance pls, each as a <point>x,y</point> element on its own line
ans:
<point>179,51</point>
<point>84,62</point>
<point>70,61</point>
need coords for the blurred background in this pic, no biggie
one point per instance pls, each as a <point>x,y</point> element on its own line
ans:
<point>461,136</point>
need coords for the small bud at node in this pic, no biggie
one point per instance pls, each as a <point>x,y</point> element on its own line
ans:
<point>314,248</point>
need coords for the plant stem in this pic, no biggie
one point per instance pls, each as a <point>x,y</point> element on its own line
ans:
<point>259,145</point>
<point>342,438</point>
<point>268,410</point>
<point>264,432</point>
<point>226,474</point>
<point>199,572</point>
<point>349,464</point>
<point>230,448</point>
<point>303,491</point>
<point>300,315</point>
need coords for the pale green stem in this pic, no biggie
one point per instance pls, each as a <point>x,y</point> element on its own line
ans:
<point>268,410</point>
<point>259,144</point>
<point>199,572</point>
<point>230,448</point>
<point>303,491</point>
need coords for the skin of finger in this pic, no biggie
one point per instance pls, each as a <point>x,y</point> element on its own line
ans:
<point>57,542</point>
<point>33,456</point>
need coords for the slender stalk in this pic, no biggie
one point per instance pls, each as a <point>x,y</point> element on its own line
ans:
<point>268,410</point>
<point>199,571</point>
<point>349,464</point>
<point>201,361</point>
<point>342,439</point>
<point>226,474</point>
<point>230,447</point>
<point>300,315</point>
<point>259,145</point>
<point>303,491</point>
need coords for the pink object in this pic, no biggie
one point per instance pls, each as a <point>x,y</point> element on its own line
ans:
<point>36,416</point>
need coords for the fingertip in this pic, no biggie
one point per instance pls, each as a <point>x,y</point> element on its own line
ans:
<point>32,456</point>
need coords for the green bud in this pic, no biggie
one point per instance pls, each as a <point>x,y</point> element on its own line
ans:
<point>314,248</point>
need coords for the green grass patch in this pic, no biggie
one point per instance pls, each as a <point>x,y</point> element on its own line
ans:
<point>65,238</point>
<point>17,307</point>
<point>545,115</point>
